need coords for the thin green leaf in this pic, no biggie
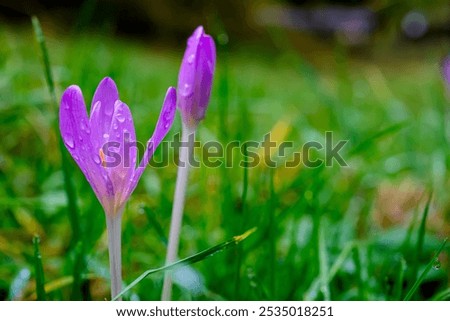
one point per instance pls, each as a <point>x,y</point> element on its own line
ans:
<point>398,288</point>
<point>272,224</point>
<point>421,236</point>
<point>323,263</point>
<point>189,260</point>
<point>424,273</point>
<point>365,144</point>
<point>39,270</point>
<point>442,296</point>
<point>74,215</point>
<point>45,57</point>
<point>311,293</point>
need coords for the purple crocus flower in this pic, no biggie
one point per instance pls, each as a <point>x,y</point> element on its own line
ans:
<point>195,77</point>
<point>108,130</point>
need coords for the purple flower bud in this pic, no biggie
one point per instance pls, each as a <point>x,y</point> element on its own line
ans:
<point>195,77</point>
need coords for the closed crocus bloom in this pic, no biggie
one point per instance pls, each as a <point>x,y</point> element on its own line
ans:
<point>195,77</point>
<point>194,89</point>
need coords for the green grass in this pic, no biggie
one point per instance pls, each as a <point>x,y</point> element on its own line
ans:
<point>350,233</point>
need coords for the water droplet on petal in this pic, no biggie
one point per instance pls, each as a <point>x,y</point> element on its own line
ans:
<point>96,159</point>
<point>108,110</point>
<point>105,136</point>
<point>80,138</point>
<point>85,128</point>
<point>69,141</point>
<point>210,67</point>
<point>185,90</point>
<point>120,118</point>
<point>190,59</point>
<point>115,125</point>
<point>75,157</point>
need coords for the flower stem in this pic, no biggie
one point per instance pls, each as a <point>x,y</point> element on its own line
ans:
<point>187,139</point>
<point>113,224</point>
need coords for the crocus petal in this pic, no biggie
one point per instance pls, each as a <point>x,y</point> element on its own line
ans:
<point>122,143</point>
<point>162,127</point>
<point>195,77</point>
<point>205,69</point>
<point>102,110</point>
<point>76,134</point>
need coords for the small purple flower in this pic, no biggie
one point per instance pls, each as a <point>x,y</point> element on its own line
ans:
<point>109,130</point>
<point>195,77</point>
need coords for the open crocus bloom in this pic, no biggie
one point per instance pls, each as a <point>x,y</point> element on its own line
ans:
<point>196,76</point>
<point>109,131</point>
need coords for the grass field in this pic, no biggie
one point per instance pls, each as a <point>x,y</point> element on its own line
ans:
<point>368,231</point>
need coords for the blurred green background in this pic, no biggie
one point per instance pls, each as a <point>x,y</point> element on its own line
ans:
<point>367,70</point>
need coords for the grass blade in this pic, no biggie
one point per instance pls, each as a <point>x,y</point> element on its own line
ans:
<point>421,235</point>
<point>365,144</point>
<point>323,264</point>
<point>311,293</point>
<point>272,234</point>
<point>38,270</point>
<point>424,273</point>
<point>69,188</point>
<point>189,260</point>
<point>45,57</point>
<point>420,240</point>
<point>442,296</point>
<point>398,288</point>
<point>239,250</point>
<point>68,184</point>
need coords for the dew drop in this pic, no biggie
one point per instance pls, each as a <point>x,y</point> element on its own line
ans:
<point>115,125</point>
<point>210,66</point>
<point>105,136</point>
<point>185,91</point>
<point>80,138</point>
<point>96,159</point>
<point>69,141</point>
<point>75,157</point>
<point>120,118</point>
<point>85,128</point>
<point>109,110</point>
<point>191,58</point>
<point>436,264</point>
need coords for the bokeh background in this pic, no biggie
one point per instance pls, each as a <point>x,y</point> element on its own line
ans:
<point>370,71</point>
